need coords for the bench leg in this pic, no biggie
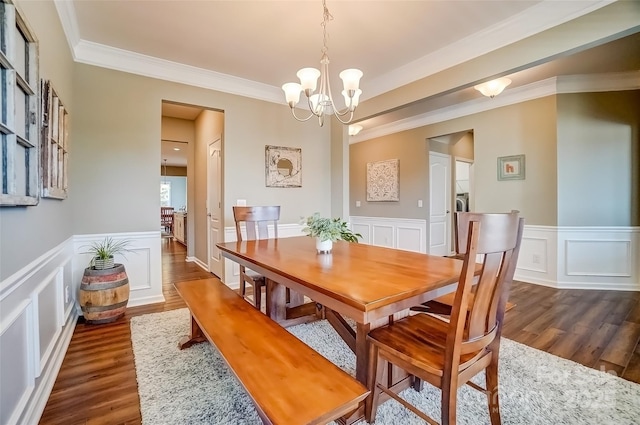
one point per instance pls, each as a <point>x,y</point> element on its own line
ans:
<point>196,336</point>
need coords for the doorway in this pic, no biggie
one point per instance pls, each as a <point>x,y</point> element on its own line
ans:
<point>214,205</point>
<point>196,127</point>
<point>439,204</point>
<point>451,168</point>
<point>464,185</point>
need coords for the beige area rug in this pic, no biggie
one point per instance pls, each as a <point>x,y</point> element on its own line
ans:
<point>194,386</point>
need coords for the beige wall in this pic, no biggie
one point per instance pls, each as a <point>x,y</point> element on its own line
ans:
<point>526,128</point>
<point>28,232</point>
<point>117,134</point>
<point>599,159</point>
<point>410,148</point>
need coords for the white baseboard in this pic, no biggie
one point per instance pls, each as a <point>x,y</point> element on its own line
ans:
<point>146,300</point>
<point>200,263</point>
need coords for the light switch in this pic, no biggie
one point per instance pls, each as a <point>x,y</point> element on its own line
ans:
<point>357,203</point>
<point>241,202</point>
<point>419,203</point>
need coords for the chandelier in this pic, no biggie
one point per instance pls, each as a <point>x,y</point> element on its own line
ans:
<point>321,102</point>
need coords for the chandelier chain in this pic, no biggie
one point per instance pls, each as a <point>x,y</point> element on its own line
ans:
<point>326,17</point>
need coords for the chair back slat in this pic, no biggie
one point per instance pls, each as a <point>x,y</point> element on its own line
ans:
<point>256,221</point>
<point>496,238</point>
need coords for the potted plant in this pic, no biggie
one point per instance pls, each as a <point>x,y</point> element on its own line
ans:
<point>104,251</point>
<point>104,290</point>
<point>328,230</point>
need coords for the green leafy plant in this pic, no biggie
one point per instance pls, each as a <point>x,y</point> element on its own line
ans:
<point>107,249</point>
<point>332,229</point>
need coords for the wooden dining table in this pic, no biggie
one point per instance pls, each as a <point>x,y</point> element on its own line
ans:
<point>369,284</point>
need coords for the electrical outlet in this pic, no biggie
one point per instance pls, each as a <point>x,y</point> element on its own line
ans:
<point>419,203</point>
<point>357,203</point>
<point>535,259</point>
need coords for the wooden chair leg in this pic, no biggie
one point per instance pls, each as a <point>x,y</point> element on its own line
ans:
<point>492,387</point>
<point>376,372</point>
<point>257,293</point>
<point>449,400</point>
<point>243,288</point>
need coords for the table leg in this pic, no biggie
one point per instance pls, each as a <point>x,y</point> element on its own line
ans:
<point>196,336</point>
<point>276,301</point>
<point>362,351</point>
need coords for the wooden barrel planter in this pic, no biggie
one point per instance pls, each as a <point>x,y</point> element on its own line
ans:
<point>104,294</point>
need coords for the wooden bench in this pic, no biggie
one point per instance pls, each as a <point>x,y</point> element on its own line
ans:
<point>289,382</point>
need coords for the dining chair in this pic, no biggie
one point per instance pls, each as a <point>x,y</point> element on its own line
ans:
<point>166,218</point>
<point>443,304</point>
<point>256,221</point>
<point>447,354</point>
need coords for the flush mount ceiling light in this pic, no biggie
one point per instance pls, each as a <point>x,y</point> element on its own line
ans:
<point>494,87</point>
<point>354,129</point>
<point>321,102</point>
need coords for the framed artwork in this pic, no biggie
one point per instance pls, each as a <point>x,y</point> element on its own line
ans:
<point>283,166</point>
<point>511,167</point>
<point>383,181</point>
<point>54,144</point>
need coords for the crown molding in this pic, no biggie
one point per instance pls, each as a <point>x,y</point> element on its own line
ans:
<point>69,20</point>
<point>551,86</point>
<point>541,17</point>
<point>123,60</point>
<point>544,15</point>
<point>149,66</point>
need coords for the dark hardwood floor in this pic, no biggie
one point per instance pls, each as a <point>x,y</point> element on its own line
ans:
<point>97,382</point>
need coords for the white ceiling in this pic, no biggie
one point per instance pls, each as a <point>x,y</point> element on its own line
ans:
<point>268,41</point>
<point>252,47</point>
<point>261,44</point>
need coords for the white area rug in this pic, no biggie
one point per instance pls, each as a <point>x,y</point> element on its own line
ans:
<point>194,386</point>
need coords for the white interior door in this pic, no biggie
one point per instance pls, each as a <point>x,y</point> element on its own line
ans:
<point>214,205</point>
<point>440,204</point>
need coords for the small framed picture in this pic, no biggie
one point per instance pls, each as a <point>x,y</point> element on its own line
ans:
<point>511,167</point>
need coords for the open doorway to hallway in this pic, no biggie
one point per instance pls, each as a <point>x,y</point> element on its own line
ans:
<point>186,134</point>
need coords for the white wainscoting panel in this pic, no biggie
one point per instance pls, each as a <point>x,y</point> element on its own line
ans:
<point>231,276</point>
<point>599,258</point>
<point>400,233</point>
<point>16,363</point>
<point>48,317</point>
<point>383,235</point>
<point>605,258</point>
<point>537,262</point>
<point>36,324</point>
<point>143,264</point>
